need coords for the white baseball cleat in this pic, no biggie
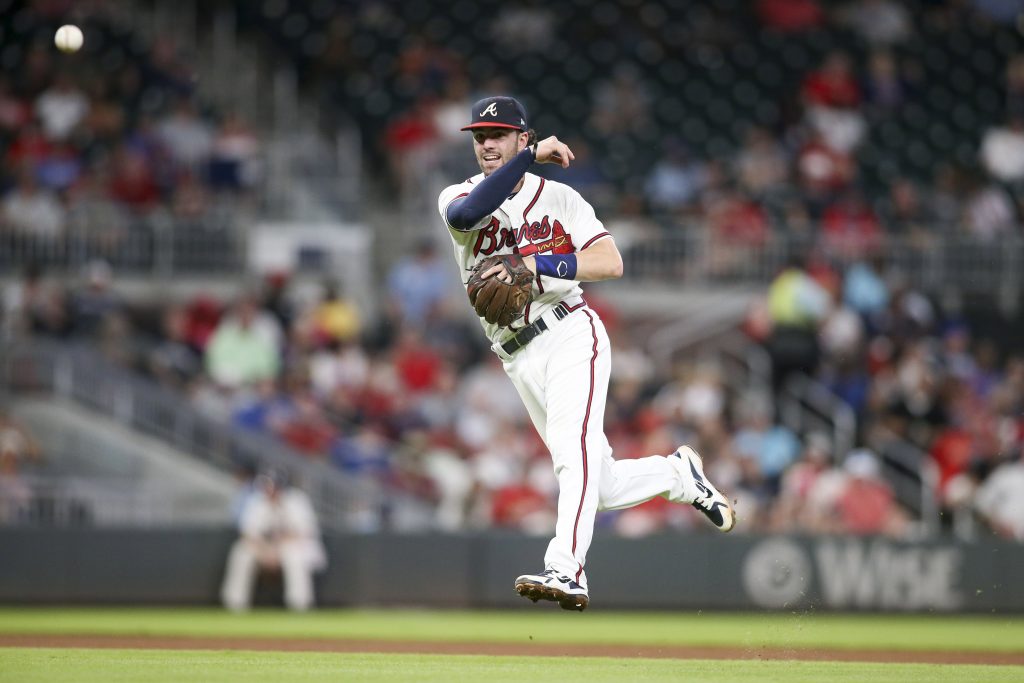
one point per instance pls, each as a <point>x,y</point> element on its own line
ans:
<point>706,497</point>
<point>549,585</point>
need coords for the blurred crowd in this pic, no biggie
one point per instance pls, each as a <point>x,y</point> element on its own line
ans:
<point>849,145</point>
<point>95,144</point>
<point>846,146</point>
<point>410,398</point>
<point>932,401</point>
<point>415,403</point>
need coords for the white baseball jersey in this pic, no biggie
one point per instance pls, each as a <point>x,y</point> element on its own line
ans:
<point>544,217</point>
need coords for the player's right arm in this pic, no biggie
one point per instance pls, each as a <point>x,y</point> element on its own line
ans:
<point>452,194</point>
<point>468,212</point>
<point>551,150</point>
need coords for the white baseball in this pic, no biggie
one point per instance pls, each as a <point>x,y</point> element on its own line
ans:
<point>69,38</point>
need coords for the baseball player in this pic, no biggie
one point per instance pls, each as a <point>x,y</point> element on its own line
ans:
<point>557,353</point>
<point>279,531</point>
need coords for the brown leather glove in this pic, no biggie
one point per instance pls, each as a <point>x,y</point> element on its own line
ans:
<point>496,301</point>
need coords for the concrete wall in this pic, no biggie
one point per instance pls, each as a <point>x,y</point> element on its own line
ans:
<point>183,566</point>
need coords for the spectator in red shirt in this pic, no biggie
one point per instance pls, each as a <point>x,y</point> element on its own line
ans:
<point>737,224</point>
<point>833,97</point>
<point>202,315</point>
<point>832,85</point>
<point>520,506</point>
<point>952,451</point>
<point>412,143</point>
<point>15,113</point>
<point>30,147</point>
<point>131,181</point>
<point>798,482</point>
<point>850,227</point>
<point>867,505</point>
<point>738,221</point>
<point>790,16</point>
<point>418,365</point>
<point>307,428</point>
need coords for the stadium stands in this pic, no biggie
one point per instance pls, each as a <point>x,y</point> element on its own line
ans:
<point>828,157</point>
<point>105,155</point>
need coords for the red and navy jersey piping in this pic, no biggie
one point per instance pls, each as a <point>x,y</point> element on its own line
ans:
<point>594,239</point>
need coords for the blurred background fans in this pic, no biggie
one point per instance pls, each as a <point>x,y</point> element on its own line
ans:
<point>220,252</point>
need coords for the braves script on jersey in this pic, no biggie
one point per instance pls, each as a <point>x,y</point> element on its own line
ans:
<point>544,217</point>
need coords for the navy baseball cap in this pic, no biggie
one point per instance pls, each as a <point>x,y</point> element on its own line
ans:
<point>497,112</point>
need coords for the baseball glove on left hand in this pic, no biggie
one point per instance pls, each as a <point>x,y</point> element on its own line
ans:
<point>494,300</point>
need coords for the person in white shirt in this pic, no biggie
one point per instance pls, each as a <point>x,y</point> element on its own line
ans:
<point>31,210</point>
<point>279,532</point>
<point>1002,151</point>
<point>61,108</point>
<point>1000,500</point>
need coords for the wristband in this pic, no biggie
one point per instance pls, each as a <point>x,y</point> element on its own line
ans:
<point>562,266</point>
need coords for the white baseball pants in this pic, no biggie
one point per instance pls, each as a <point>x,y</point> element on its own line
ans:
<point>562,376</point>
<point>243,564</point>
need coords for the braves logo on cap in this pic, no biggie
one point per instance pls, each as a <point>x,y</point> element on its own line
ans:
<point>498,112</point>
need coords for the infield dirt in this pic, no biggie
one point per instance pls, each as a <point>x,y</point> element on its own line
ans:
<point>512,649</point>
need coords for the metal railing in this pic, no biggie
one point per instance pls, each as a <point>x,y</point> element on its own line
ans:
<point>913,475</point>
<point>715,318</point>
<point>83,376</point>
<point>315,178</point>
<point>745,365</point>
<point>93,501</point>
<point>947,263</point>
<point>313,175</point>
<point>808,406</point>
<point>156,244</point>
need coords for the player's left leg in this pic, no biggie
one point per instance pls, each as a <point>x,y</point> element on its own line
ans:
<point>627,483</point>
<point>298,575</point>
<point>678,477</point>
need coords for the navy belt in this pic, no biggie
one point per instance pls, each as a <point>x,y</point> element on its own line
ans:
<point>531,332</point>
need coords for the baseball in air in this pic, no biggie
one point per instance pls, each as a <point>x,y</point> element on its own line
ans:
<point>69,38</point>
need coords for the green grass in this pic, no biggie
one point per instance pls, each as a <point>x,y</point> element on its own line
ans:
<point>150,666</point>
<point>541,625</point>
<point>544,624</point>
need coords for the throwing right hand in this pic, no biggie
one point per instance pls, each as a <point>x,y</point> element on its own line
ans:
<point>553,151</point>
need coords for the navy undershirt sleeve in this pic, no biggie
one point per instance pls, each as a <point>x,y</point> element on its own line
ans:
<point>465,212</point>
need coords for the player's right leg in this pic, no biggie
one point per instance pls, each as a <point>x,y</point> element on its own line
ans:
<point>236,591</point>
<point>562,378</point>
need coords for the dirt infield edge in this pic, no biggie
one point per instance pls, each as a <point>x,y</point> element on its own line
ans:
<point>510,649</point>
